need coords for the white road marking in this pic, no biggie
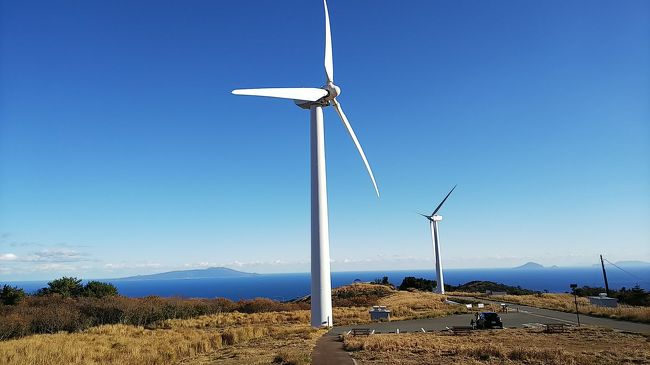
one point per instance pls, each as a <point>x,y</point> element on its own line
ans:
<point>543,316</point>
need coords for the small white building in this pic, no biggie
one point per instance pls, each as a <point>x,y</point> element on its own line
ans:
<point>602,300</point>
<point>379,313</point>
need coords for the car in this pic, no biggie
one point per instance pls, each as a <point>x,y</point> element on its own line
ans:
<point>485,320</point>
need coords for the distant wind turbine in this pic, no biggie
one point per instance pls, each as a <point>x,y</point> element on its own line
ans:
<point>315,99</point>
<point>433,222</point>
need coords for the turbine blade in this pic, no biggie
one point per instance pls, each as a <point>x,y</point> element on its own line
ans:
<point>443,201</point>
<point>329,63</point>
<point>295,93</point>
<point>347,125</point>
<point>425,216</point>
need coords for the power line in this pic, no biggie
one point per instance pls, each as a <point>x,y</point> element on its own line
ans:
<point>625,271</point>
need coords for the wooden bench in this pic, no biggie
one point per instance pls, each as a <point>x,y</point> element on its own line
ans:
<point>554,327</point>
<point>361,332</point>
<point>460,330</point>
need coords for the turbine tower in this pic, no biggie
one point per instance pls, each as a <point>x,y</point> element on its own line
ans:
<point>433,223</point>
<point>315,99</point>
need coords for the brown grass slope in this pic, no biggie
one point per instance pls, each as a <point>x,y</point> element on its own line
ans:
<point>180,341</point>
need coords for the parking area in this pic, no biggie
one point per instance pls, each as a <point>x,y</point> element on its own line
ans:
<point>517,317</point>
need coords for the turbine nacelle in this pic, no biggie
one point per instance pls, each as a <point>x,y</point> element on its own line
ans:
<point>432,218</point>
<point>332,92</point>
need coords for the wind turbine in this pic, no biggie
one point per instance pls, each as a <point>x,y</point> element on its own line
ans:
<point>433,222</point>
<point>315,99</point>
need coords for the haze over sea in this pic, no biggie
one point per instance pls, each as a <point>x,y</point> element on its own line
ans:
<point>289,286</point>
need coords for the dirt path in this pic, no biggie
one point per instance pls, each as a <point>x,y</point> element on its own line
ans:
<point>329,351</point>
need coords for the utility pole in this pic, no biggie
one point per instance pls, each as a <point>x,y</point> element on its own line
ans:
<point>575,297</point>
<point>602,264</point>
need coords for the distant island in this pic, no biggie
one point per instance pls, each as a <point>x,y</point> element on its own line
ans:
<point>632,263</point>
<point>209,273</point>
<point>529,266</point>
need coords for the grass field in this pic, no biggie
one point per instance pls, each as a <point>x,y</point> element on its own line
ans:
<point>226,338</point>
<point>583,346</point>
<point>285,337</point>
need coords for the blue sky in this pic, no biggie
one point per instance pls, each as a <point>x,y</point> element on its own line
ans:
<point>122,150</point>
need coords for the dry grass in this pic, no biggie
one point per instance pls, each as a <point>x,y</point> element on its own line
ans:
<point>228,338</point>
<point>565,303</point>
<point>224,337</point>
<point>403,305</point>
<point>285,337</point>
<point>584,346</point>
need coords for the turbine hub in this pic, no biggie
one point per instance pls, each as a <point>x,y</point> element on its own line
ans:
<point>333,91</point>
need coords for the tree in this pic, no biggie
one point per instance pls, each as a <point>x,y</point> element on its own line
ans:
<point>382,281</point>
<point>97,289</point>
<point>634,296</point>
<point>417,283</point>
<point>11,295</point>
<point>66,286</point>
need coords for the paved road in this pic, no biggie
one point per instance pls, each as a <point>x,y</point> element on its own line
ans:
<point>512,319</point>
<point>329,351</point>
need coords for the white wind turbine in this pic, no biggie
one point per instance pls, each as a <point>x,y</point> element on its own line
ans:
<point>433,222</point>
<point>315,99</point>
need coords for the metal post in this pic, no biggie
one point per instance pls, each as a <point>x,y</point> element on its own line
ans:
<point>602,264</point>
<point>575,298</point>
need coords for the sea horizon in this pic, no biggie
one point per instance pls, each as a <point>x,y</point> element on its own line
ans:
<point>287,286</point>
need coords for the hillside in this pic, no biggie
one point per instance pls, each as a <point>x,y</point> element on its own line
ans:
<point>209,273</point>
<point>482,286</point>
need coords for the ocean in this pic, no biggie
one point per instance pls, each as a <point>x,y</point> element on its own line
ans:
<point>289,286</point>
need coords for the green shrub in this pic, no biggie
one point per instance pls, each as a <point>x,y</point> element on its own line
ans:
<point>98,289</point>
<point>417,283</point>
<point>66,286</point>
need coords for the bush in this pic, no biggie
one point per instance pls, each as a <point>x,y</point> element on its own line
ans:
<point>382,281</point>
<point>634,296</point>
<point>360,295</point>
<point>11,295</point>
<point>72,287</point>
<point>483,286</point>
<point>259,305</point>
<point>56,318</point>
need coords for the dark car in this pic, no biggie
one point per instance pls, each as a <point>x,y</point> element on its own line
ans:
<point>487,320</point>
